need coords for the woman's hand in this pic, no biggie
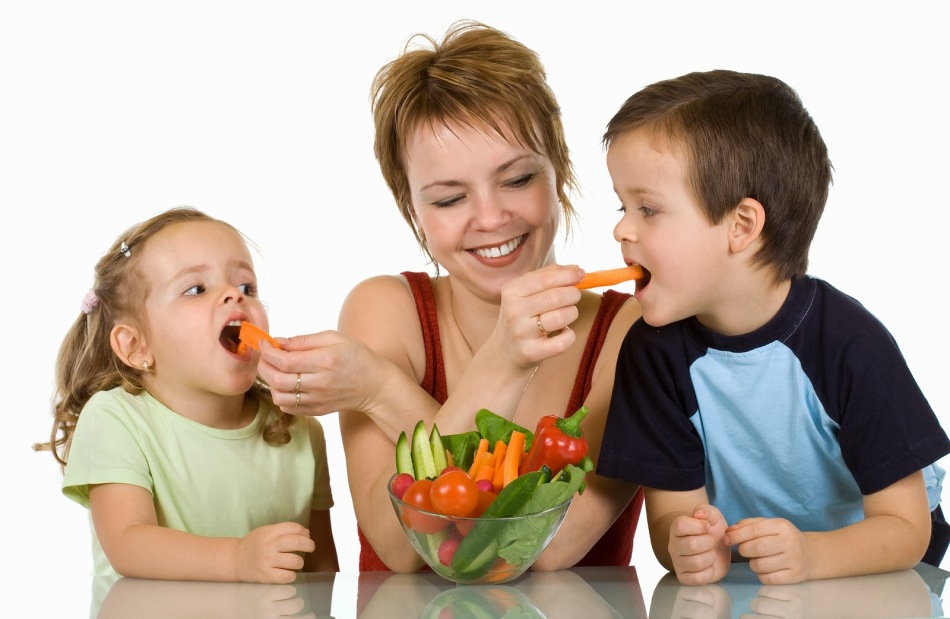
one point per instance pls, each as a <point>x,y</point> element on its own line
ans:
<point>321,373</point>
<point>536,311</point>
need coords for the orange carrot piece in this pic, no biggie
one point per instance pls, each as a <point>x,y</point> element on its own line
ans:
<point>498,480</point>
<point>609,277</point>
<point>485,471</point>
<point>513,456</point>
<point>449,458</point>
<point>251,335</point>
<point>480,454</point>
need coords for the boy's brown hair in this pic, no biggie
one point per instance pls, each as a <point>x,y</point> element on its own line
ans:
<point>743,136</point>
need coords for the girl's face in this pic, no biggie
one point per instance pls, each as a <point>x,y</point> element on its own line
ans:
<point>664,230</point>
<point>487,207</point>
<point>202,283</point>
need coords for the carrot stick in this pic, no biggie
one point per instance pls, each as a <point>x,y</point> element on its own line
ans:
<point>485,471</point>
<point>513,456</point>
<point>480,454</point>
<point>251,335</point>
<point>498,480</point>
<point>609,277</point>
<point>449,458</point>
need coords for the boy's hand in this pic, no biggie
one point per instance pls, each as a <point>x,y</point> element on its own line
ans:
<point>776,549</point>
<point>270,554</point>
<point>696,547</point>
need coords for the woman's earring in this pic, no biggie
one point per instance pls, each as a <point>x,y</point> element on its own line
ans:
<point>145,366</point>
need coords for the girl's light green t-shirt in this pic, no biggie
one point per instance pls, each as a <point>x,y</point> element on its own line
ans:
<point>206,481</point>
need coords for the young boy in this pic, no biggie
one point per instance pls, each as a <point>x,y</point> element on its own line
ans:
<point>764,412</point>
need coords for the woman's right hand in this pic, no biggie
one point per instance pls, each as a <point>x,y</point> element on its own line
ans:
<point>333,370</point>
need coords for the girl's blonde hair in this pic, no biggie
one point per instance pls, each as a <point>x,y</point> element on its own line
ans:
<point>477,75</point>
<point>86,363</point>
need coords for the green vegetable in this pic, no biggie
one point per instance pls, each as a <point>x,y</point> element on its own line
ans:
<point>496,428</point>
<point>462,447</point>
<point>438,450</point>
<point>422,462</point>
<point>519,540</point>
<point>403,456</point>
<point>479,549</point>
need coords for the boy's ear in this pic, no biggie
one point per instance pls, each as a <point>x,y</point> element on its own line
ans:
<point>748,219</point>
<point>129,346</point>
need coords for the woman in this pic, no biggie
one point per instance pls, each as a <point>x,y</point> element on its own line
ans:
<point>470,141</point>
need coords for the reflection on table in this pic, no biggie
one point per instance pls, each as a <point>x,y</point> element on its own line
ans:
<point>910,593</point>
<point>588,593</point>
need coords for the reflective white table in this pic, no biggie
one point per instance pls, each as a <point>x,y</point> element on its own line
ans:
<point>587,593</point>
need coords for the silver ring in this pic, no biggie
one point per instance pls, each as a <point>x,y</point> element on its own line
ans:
<point>297,386</point>
<point>541,328</point>
<point>297,402</point>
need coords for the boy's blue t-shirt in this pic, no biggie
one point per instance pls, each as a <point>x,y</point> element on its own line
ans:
<point>797,419</point>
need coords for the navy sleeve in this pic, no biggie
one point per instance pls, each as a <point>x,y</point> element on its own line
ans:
<point>648,437</point>
<point>888,429</point>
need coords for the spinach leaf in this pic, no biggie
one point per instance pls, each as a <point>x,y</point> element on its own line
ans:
<point>496,428</point>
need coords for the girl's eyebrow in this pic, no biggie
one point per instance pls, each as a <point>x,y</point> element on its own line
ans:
<point>199,268</point>
<point>503,167</point>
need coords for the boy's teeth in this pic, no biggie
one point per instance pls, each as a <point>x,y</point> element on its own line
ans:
<point>501,250</point>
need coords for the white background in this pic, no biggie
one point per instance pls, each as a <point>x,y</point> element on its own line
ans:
<point>258,113</point>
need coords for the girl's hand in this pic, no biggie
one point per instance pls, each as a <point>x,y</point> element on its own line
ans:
<point>320,373</point>
<point>271,554</point>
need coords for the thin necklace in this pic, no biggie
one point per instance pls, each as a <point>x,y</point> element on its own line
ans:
<point>471,349</point>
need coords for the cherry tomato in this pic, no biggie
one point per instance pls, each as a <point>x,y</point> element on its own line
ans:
<point>417,496</point>
<point>400,483</point>
<point>454,494</point>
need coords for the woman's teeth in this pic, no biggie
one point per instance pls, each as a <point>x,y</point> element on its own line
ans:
<point>501,250</point>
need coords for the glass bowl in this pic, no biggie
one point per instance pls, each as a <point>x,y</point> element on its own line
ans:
<point>478,550</point>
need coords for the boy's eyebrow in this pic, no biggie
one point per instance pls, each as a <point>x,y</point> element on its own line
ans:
<point>503,167</point>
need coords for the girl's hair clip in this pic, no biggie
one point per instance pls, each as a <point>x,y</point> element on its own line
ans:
<point>125,251</point>
<point>89,302</point>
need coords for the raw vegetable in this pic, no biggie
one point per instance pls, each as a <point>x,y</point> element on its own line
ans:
<point>513,457</point>
<point>496,428</point>
<point>418,495</point>
<point>454,494</point>
<point>438,449</point>
<point>462,447</point>
<point>422,462</point>
<point>517,542</point>
<point>479,549</point>
<point>251,335</point>
<point>558,442</point>
<point>609,277</point>
<point>404,455</point>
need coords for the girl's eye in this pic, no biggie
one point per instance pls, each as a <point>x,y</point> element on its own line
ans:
<point>622,209</point>
<point>647,211</point>
<point>520,181</point>
<point>249,290</point>
<point>195,290</point>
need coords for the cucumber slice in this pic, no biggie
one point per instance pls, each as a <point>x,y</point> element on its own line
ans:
<point>403,455</point>
<point>438,450</point>
<point>422,462</point>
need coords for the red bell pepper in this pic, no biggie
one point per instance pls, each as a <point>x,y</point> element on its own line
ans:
<point>558,441</point>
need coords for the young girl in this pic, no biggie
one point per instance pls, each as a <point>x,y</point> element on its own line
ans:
<point>166,433</point>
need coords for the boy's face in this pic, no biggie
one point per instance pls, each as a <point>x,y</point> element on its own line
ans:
<point>664,230</point>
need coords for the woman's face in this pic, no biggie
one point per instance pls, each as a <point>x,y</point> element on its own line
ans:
<point>487,206</point>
